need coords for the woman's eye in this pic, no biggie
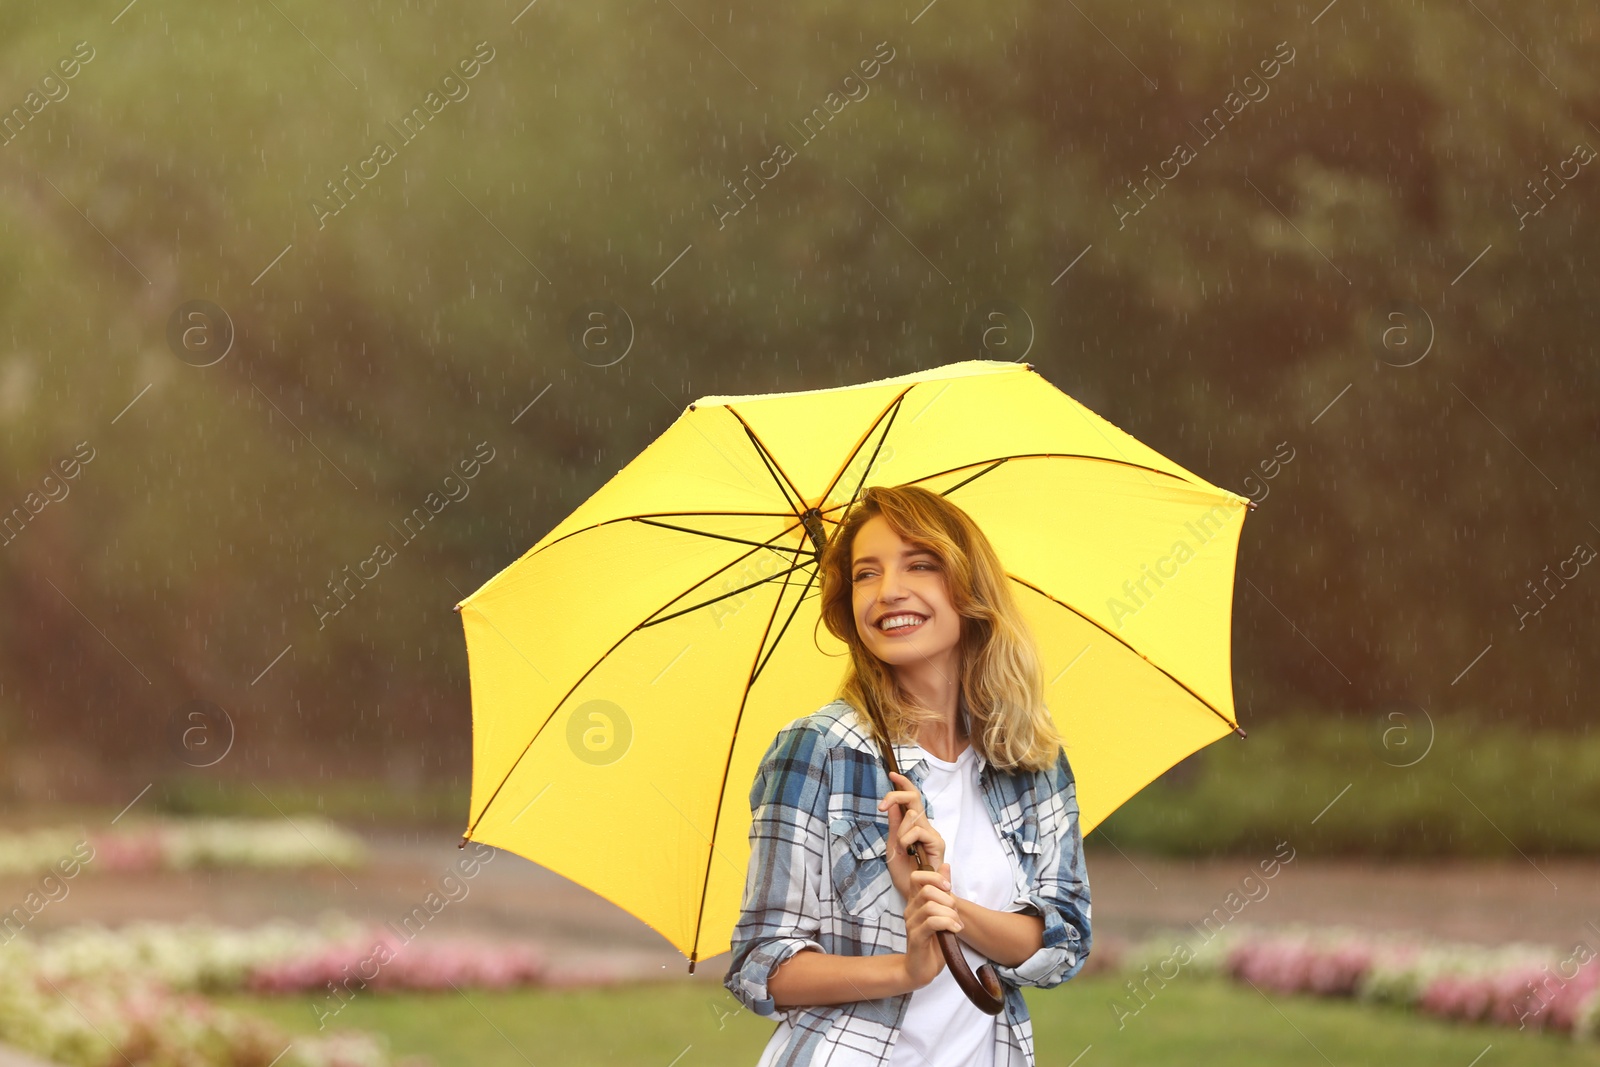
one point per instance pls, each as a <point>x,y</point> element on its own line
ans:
<point>915,566</point>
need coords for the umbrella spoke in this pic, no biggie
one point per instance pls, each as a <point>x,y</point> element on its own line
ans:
<point>731,592</point>
<point>791,494</point>
<point>715,536</point>
<point>663,515</point>
<point>975,477</point>
<point>772,648</point>
<point>997,460</point>
<point>891,410</point>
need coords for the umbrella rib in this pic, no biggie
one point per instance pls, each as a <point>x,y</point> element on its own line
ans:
<point>1172,677</point>
<point>891,410</point>
<point>979,474</point>
<point>773,648</point>
<point>733,592</point>
<point>717,536</point>
<point>657,514</point>
<point>727,764</point>
<point>1049,455</point>
<point>779,475</point>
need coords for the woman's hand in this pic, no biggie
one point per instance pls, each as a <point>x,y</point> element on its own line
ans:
<point>912,828</point>
<point>930,909</point>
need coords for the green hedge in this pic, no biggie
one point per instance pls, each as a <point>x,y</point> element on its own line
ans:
<point>1483,788</point>
<point>359,803</point>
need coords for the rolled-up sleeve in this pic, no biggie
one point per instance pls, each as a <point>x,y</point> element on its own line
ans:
<point>780,914</point>
<point>1060,893</point>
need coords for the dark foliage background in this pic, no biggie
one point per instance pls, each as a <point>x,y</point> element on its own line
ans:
<point>1385,169</point>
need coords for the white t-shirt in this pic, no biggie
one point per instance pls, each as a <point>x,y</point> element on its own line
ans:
<point>942,1028</point>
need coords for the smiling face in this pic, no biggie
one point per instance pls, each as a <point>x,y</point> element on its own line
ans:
<point>892,579</point>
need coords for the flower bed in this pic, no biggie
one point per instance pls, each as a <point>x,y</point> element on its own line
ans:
<point>89,996</point>
<point>193,957</point>
<point>112,1023</point>
<point>181,844</point>
<point>378,959</point>
<point>1521,985</point>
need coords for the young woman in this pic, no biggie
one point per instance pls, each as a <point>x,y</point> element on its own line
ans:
<point>838,929</point>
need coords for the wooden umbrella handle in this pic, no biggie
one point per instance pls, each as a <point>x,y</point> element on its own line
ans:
<point>983,988</point>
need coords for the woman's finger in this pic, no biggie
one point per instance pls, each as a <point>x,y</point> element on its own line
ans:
<point>928,925</point>
<point>916,822</point>
<point>906,798</point>
<point>905,792</point>
<point>914,833</point>
<point>936,917</point>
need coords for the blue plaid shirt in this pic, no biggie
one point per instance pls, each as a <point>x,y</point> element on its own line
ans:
<point>814,807</point>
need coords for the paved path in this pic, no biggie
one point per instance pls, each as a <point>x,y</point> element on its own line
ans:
<point>1482,902</point>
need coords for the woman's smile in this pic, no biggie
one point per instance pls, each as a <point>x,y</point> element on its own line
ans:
<point>897,625</point>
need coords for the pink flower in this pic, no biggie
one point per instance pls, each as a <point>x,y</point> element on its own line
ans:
<point>1295,965</point>
<point>132,850</point>
<point>383,961</point>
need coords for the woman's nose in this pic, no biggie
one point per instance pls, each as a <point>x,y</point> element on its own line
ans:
<point>893,587</point>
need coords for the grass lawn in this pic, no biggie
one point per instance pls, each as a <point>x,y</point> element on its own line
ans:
<point>1189,1022</point>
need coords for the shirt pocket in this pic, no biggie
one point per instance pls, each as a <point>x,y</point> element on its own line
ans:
<point>858,856</point>
<point>1024,844</point>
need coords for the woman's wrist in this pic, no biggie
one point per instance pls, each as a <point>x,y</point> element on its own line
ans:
<point>904,982</point>
<point>1005,937</point>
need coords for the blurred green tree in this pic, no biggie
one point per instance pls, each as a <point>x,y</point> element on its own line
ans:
<point>374,348</point>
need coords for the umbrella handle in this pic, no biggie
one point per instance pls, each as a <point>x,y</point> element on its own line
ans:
<point>983,988</point>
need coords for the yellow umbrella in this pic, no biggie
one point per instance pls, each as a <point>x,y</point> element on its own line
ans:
<point>630,670</point>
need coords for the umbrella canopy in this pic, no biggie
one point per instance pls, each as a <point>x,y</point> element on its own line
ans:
<point>630,670</point>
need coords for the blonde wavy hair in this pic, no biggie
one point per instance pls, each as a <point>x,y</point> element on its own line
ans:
<point>1002,680</point>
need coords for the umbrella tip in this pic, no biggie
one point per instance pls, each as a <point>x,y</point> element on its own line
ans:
<point>1240,731</point>
<point>1251,504</point>
<point>691,962</point>
<point>463,842</point>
